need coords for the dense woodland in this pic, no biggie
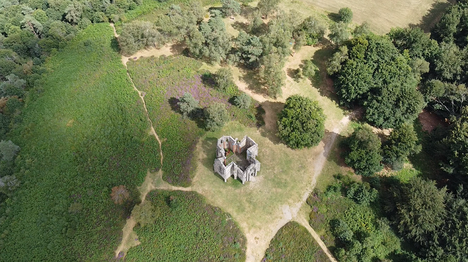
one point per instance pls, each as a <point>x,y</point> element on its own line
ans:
<point>392,77</point>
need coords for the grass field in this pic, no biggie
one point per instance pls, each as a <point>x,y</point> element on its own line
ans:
<point>294,243</point>
<point>380,14</point>
<point>165,80</point>
<point>188,229</point>
<point>83,132</point>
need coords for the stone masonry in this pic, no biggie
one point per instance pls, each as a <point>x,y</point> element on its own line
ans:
<point>242,170</point>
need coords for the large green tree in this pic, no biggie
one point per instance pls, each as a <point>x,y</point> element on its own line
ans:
<point>364,151</point>
<point>372,72</point>
<point>418,208</point>
<point>272,74</point>
<point>301,122</point>
<point>402,142</point>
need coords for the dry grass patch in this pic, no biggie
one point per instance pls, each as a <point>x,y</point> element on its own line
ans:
<point>382,15</point>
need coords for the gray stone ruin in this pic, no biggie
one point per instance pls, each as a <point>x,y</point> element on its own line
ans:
<point>236,158</point>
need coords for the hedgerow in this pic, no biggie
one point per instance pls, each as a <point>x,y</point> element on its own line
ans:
<point>188,229</point>
<point>82,133</point>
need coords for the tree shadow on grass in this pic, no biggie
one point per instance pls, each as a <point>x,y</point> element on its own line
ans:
<point>432,17</point>
<point>197,114</point>
<point>241,26</point>
<point>115,45</point>
<point>335,17</point>
<point>209,147</point>
<point>253,81</point>
<point>322,81</point>
<point>295,74</point>
<point>270,119</point>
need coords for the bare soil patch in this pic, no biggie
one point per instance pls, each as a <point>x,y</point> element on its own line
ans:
<point>429,120</point>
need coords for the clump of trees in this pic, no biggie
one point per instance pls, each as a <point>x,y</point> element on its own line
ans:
<point>370,72</point>
<point>138,35</point>
<point>301,122</point>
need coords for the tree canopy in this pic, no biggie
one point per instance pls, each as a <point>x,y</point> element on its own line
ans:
<point>364,151</point>
<point>371,72</point>
<point>301,122</point>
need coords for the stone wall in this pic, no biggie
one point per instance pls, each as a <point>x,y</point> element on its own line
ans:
<point>232,169</point>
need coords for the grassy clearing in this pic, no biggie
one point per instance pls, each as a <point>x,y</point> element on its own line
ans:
<point>188,229</point>
<point>165,80</point>
<point>294,243</point>
<point>259,206</point>
<point>83,132</point>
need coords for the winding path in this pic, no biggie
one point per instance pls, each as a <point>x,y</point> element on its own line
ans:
<point>130,239</point>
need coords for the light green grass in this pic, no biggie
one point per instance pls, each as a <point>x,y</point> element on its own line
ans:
<point>83,133</point>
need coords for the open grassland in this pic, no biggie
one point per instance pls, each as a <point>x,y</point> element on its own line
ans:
<point>165,80</point>
<point>264,205</point>
<point>82,133</point>
<point>381,15</point>
<point>188,229</point>
<point>294,243</point>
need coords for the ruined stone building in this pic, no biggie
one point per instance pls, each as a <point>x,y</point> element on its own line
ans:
<point>236,158</point>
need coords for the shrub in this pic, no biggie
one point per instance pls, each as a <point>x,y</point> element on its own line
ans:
<point>187,104</point>
<point>301,122</point>
<point>243,101</point>
<point>362,193</point>
<point>216,116</point>
<point>144,213</point>
<point>364,151</point>
<point>8,150</point>
<point>119,194</point>
<point>223,78</point>
<point>345,14</point>
<point>309,69</point>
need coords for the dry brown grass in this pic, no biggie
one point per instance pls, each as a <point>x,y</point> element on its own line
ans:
<point>382,15</point>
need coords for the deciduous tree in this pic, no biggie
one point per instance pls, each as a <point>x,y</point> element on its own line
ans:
<point>364,151</point>
<point>301,122</point>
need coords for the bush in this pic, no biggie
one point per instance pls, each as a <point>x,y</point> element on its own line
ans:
<point>301,122</point>
<point>362,193</point>
<point>223,78</point>
<point>187,104</point>
<point>8,150</point>
<point>309,69</point>
<point>345,14</point>
<point>144,213</point>
<point>243,101</point>
<point>216,116</point>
